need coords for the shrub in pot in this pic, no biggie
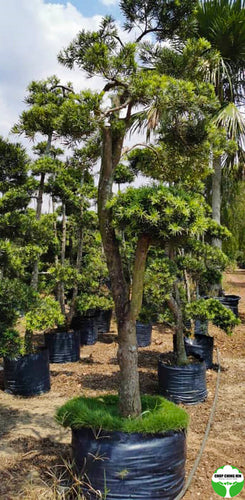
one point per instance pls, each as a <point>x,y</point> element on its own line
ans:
<point>89,319</point>
<point>208,310</point>
<point>179,379</point>
<point>62,343</point>
<point>104,445</point>
<point>26,368</point>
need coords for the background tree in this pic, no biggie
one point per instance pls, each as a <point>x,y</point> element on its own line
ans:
<point>45,99</point>
<point>222,23</point>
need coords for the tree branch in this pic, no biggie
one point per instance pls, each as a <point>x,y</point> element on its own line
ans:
<point>138,276</point>
<point>127,150</point>
<point>146,32</point>
<point>117,108</point>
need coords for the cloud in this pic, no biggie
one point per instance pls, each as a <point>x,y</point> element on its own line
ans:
<point>109,2</point>
<point>31,35</point>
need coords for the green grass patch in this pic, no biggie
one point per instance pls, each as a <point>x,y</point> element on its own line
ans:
<point>158,415</point>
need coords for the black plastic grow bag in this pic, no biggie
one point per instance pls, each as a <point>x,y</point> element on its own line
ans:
<point>27,375</point>
<point>64,347</point>
<point>87,326</point>
<point>143,333</point>
<point>201,327</point>
<point>88,331</point>
<point>201,345</point>
<point>230,301</point>
<point>135,466</point>
<point>183,384</point>
<point>104,320</point>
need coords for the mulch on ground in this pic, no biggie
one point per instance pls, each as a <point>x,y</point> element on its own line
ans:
<point>33,446</point>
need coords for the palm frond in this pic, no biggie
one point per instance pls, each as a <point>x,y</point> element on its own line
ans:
<point>233,120</point>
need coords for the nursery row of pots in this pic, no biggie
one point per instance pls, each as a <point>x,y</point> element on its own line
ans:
<point>29,375</point>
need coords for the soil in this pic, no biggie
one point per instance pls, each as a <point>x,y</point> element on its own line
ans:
<point>33,447</point>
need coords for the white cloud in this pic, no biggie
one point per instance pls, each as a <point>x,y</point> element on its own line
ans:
<point>109,2</point>
<point>31,35</point>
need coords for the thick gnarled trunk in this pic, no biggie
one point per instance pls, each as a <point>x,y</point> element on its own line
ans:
<point>126,310</point>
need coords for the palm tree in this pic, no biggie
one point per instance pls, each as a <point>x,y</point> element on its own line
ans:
<point>222,23</point>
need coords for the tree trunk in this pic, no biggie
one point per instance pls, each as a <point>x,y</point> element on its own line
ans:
<point>78,267</point>
<point>216,197</point>
<point>62,258</point>
<point>129,393</point>
<point>175,306</point>
<point>34,279</point>
<point>56,258</point>
<point>127,355</point>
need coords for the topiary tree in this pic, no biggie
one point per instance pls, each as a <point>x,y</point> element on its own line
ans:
<point>129,85</point>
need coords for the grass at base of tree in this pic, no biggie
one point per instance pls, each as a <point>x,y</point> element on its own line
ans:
<point>158,415</point>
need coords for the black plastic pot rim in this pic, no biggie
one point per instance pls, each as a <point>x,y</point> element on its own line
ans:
<point>199,336</point>
<point>38,350</point>
<point>103,433</point>
<point>57,332</point>
<point>183,367</point>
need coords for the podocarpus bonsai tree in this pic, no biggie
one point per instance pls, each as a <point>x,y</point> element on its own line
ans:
<point>165,288</point>
<point>167,216</point>
<point>18,300</point>
<point>15,299</point>
<point>104,53</point>
<point>79,263</point>
<point>46,100</point>
<point>93,292</point>
<point>46,315</point>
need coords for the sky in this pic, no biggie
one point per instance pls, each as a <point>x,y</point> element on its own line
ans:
<point>32,32</point>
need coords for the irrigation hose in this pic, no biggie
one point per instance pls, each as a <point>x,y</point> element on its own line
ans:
<point>210,420</point>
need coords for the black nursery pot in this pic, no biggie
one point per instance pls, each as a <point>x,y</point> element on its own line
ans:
<point>140,466</point>
<point>201,327</point>
<point>27,375</point>
<point>143,333</point>
<point>183,384</point>
<point>202,346</point>
<point>64,347</point>
<point>104,320</point>
<point>88,331</point>
<point>87,326</point>
<point>230,301</point>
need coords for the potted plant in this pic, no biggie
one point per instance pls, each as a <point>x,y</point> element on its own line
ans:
<point>26,367</point>
<point>62,343</point>
<point>93,316</point>
<point>145,216</point>
<point>182,379</point>
<point>93,307</point>
<point>102,437</point>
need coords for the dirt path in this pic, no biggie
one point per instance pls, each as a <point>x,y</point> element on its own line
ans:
<point>32,444</point>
